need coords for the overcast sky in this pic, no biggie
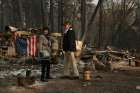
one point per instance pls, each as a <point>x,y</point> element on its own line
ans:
<point>95,1</point>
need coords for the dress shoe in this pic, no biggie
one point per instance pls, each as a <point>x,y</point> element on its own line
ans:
<point>50,77</point>
<point>65,77</point>
<point>74,78</point>
<point>44,80</point>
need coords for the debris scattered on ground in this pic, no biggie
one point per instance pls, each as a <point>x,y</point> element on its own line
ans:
<point>98,77</point>
<point>138,87</point>
<point>85,84</point>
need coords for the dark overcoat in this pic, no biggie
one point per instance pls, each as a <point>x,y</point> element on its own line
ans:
<point>69,43</point>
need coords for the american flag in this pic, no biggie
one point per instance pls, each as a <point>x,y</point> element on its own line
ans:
<point>32,45</point>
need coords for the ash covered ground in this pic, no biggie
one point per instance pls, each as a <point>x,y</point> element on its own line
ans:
<point>124,79</point>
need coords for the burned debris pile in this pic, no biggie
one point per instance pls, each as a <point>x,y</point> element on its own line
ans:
<point>109,60</point>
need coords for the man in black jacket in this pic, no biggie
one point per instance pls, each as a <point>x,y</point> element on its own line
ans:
<point>69,47</point>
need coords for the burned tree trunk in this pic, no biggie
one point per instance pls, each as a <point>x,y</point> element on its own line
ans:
<point>22,14</point>
<point>42,13</point>
<point>51,16</point>
<point>83,17</point>
<point>100,24</point>
<point>92,19</point>
<point>1,13</point>
<point>60,16</point>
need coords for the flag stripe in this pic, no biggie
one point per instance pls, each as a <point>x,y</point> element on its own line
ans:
<point>32,46</point>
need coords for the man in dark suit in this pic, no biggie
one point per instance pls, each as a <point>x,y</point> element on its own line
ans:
<point>69,47</point>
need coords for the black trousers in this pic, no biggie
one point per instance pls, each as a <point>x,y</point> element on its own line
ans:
<point>45,69</point>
